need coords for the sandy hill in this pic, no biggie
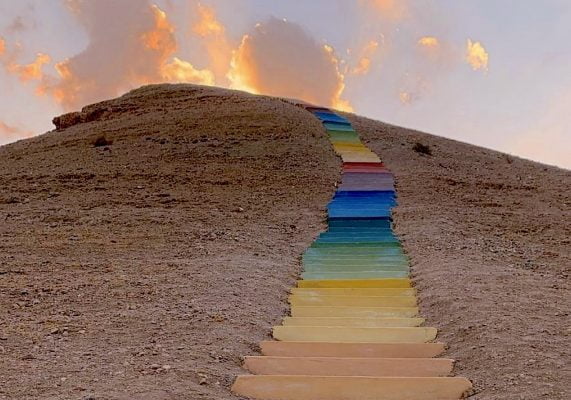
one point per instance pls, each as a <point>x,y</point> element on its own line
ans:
<point>150,242</point>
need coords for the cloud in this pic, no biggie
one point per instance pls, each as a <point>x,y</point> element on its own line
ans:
<point>476,55</point>
<point>212,34</point>
<point>395,10</point>
<point>10,133</point>
<point>32,71</point>
<point>279,58</point>
<point>24,72</point>
<point>134,46</point>
<point>364,63</point>
<point>429,42</point>
<point>17,25</point>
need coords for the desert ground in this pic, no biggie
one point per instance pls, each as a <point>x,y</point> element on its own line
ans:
<point>150,242</point>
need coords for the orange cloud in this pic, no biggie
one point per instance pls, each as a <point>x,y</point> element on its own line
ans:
<point>10,133</point>
<point>279,58</point>
<point>476,56</point>
<point>395,10</point>
<point>213,37</point>
<point>2,46</point>
<point>428,42</point>
<point>183,71</point>
<point>32,71</point>
<point>364,64</point>
<point>207,23</point>
<point>138,47</point>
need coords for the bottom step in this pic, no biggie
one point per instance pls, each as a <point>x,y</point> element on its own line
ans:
<point>356,350</point>
<point>288,387</point>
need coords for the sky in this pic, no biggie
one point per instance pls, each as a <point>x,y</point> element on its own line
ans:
<point>495,73</point>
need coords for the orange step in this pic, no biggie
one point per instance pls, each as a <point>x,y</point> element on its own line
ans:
<point>357,350</point>
<point>301,387</point>
<point>335,366</point>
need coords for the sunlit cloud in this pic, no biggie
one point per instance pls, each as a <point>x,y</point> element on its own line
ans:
<point>428,42</point>
<point>394,10</point>
<point>212,33</point>
<point>137,47</point>
<point>10,133</point>
<point>364,63</point>
<point>279,58</point>
<point>476,56</point>
<point>32,71</point>
<point>2,46</point>
<point>183,71</point>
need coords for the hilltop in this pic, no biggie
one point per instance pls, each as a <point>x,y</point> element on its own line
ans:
<point>149,242</point>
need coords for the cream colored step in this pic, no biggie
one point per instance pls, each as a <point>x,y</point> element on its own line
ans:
<point>289,387</point>
<point>353,334</point>
<point>355,350</point>
<point>340,321</point>
<point>353,312</point>
<point>332,366</point>
<point>355,283</point>
<point>355,291</point>
<point>352,301</point>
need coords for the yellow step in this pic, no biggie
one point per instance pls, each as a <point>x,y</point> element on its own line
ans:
<point>334,366</point>
<point>352,301</point>
<point>355,283</point>
<point>355,291</point>
<point>355,312</point>
<point>348,321</point>
<point>354,334</point>
<point>290,387</point>
<point>355,350</point>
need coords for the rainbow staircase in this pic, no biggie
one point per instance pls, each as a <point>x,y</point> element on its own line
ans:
<point>354,330</point>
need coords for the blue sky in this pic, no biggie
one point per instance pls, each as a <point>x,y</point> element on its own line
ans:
<point>520,104</point>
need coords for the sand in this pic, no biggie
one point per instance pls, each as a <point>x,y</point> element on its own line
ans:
<point>146,268</point>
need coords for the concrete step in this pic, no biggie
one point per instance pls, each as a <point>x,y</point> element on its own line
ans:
<point>356,322</point>
<point>356,350</point>
<point>290,387</point>
<point>335,366</point>
<point>354,334</point>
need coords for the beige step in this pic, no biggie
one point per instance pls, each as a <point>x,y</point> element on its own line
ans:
<point>352,301</point>
<point>355,350</point>
<point>355,291</point>
<point>354,312</point>
<point>348,321</point>
<point>355,283</point>
<point>289,387</point>
<point>333,366</point>
<point>353,334</point>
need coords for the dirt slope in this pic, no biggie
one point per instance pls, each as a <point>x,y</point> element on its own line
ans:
<point>146,268</point>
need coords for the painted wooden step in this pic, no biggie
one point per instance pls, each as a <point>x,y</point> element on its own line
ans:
<point>355,291</point>
<point>315,267</point>
<point>352,301</point>
<point>355,350</point>
<point>348,321</point>
<point>333,366</point>
<point>290,387</point>
<point>354,312</point>
<point>356,283</point>
<point>354,334</point>
<point>353,275</point>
